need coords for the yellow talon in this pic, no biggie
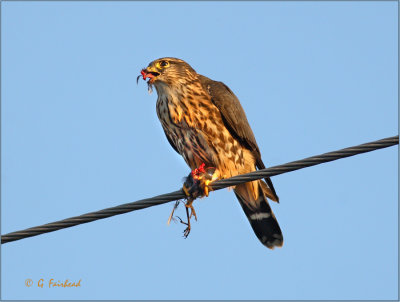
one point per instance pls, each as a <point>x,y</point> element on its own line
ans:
<point>206,188</point>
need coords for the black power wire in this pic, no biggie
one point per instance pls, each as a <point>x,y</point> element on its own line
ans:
<point>216,185</point>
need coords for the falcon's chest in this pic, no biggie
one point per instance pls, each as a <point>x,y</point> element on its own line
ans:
<point>189,108</point>
<point>195,126</point>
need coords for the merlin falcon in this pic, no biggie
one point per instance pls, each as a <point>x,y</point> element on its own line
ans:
<point>204,122</point>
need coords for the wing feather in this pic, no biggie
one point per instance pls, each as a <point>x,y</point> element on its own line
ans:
<point>235,120</point>
<point>171,142</point>
<point>232,113</point>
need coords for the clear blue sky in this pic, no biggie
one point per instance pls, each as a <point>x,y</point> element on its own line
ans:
<point>79,135</point>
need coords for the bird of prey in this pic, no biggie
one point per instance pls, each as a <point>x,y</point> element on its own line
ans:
<point>204,122</point>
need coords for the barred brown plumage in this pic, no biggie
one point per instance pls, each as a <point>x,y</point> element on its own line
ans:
<point>205,123</point>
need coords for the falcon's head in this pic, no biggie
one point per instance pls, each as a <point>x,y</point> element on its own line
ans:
<point>167,71</point>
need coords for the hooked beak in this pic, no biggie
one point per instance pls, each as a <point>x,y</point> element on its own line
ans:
<point>148,73</point>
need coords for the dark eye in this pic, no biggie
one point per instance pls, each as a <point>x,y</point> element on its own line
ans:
<point>164,63</point>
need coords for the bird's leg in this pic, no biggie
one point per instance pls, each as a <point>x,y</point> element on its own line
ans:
<point>187,230</point>
<point>188,205</point>
<point>196,185</point>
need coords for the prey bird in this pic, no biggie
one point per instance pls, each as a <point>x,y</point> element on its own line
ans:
<point>204,122</point>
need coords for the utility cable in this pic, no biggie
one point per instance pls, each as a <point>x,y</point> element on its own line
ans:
<point>216,185</point>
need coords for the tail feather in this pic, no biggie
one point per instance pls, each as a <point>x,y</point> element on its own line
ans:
<point>268,181</point>
<point>260,215</point>
<point>268,192</point>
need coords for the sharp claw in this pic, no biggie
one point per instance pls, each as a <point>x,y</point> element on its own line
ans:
<point>186,232</point>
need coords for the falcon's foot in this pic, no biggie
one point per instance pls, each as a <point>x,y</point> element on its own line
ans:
<point>188,205</point>
<point>196,184</point>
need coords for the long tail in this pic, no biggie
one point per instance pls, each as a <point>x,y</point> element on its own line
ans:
<point>252,198</point>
